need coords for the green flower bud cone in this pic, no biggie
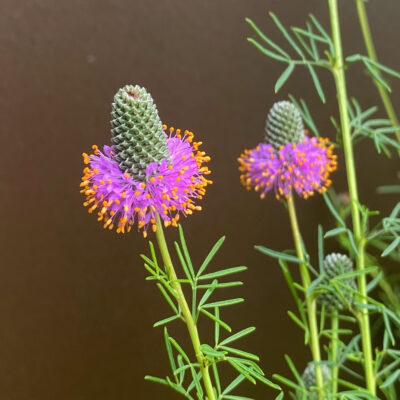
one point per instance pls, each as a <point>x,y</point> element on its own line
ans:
<point>137,132</point>
<point>310,381</point>
<point>336,264</point>
<point>284,125</point>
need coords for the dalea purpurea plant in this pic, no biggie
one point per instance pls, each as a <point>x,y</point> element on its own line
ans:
<point>146,179</point>
<point>347,305</point>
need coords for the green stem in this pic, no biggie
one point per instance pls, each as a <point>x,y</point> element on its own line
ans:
<point>369,44</point>
<point>387,103</point>
<point>334,351</point>
<point>338,73</point>
<point>191,326</point>
<point>310,299</point>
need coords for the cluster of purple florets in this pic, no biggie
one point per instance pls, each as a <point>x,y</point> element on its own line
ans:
<point>168,189</point>
<point>302,167</point>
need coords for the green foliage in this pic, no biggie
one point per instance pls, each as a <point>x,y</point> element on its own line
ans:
<point>313,47</point>
<point>186,375</point>
<point>374,69</point>
<point>308,44</point>
<point>379,130</point>
<point>385,236</point>
<point>305,43</point>
<point>350,354</point>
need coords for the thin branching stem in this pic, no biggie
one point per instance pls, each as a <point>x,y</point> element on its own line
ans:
<point>310,299</point>
<point>334,351</point>
<point>369,45</point>
<point>339,75</point>
<point>191,326</point>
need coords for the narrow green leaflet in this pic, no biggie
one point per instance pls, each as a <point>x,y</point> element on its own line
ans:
<point>305,114</point>
<point>185,250</point>
<point>284,77</point>
<point>222,272</point>
<point>210,255</point>
<point>267,52</point>
<point>216,319</point>
<point>166,320</point>
<point>224,303</point>
<point>278,254</point>
<point>316,82</point>
<point>237,335</point>
<point>233,384</point>
<point>266,39</point>
<point>241,353</point>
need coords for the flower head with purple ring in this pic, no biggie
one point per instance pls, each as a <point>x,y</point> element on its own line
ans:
<point>290,160</point>
<point>167,186</point>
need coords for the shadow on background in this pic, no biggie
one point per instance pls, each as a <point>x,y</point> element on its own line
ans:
<point>75,312</point>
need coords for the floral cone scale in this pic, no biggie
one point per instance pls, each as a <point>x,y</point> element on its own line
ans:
<point>148,170</point>
<point>335,265</point>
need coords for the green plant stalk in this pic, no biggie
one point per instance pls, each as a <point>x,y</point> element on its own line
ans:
<point>339,76</point>
<point>187,315</point>
<point>310,299</point>
<point>387,103</point>
<point>369,44</point>
<point>334,351</point>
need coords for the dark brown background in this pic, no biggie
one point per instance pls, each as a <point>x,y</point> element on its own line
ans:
<point>75,312</point>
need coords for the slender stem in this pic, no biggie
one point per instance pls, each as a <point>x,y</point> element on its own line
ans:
<point>334,351</point>
<point>369,44</point>
<point>191,326</point>
<point>338,73</point>
<point>387,103</point>
<point>310,300</point>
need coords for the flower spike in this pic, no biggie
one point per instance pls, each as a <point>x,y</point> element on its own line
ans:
<point>137,132</point>
<point>336,264</point>
<point>148,170</point>
<point>310,382</point>
<point>289,160</point>
<point>284,125</point>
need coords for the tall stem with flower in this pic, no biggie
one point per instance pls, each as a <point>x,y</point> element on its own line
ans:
<point>149,176</point>
<point>315,48</point>
<point>340,80</point>
<point>187,315</point>
<point>290,162</point>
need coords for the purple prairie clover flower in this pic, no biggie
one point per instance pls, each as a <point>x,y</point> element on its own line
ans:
<point>148,170</point>
<point>289,160</point>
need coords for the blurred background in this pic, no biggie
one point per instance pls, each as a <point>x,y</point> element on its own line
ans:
<point>76,314</point>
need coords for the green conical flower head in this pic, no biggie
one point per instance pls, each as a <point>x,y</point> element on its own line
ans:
<point>310,380</point>
<point>336,264</point>
<point>284,125</point>
<point>137,132</point>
